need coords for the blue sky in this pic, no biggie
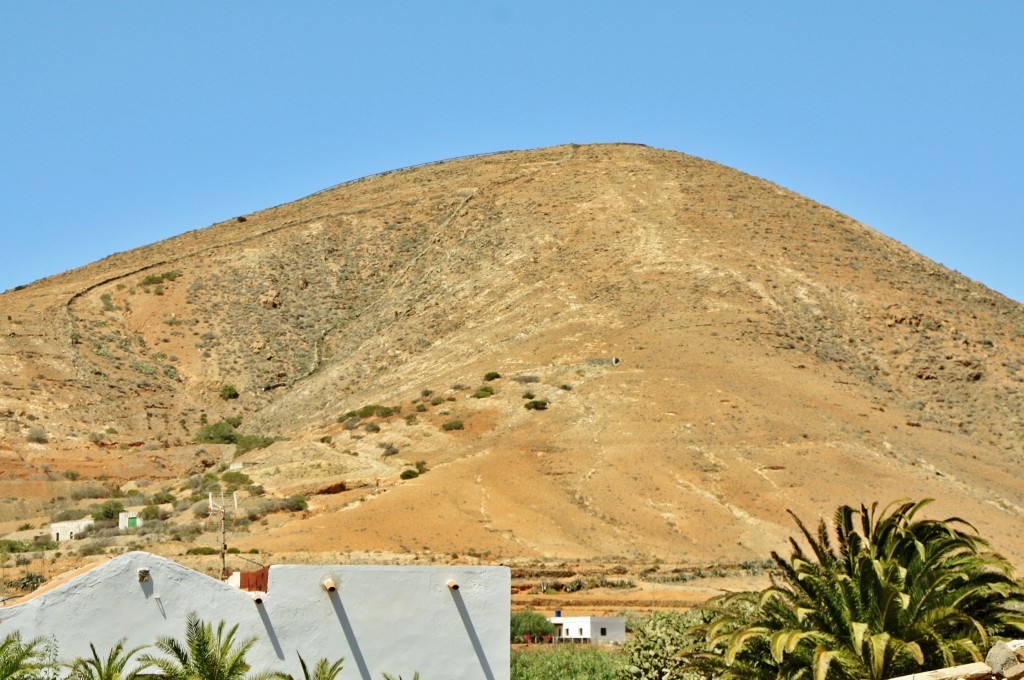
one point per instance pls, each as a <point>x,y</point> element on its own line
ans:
<point>125,123</point>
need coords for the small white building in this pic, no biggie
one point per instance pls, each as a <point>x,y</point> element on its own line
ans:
<point>128,520</point>
<point>606,629</point>
<point>65,531</point>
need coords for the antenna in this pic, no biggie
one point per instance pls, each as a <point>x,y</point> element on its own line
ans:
<point>222,509</point>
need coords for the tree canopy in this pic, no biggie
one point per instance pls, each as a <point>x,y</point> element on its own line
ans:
<point>885,593</point>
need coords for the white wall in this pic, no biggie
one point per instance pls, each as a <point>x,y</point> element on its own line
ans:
<point>64,531</point>
<point>589,628</point>
<point>381,619</point>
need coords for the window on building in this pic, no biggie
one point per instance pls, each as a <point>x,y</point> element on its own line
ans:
<point>604,631</point>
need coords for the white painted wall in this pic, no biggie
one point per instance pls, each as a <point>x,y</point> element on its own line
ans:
<point>381,619</point>
<point>589,628</point>
<point>65,531</point>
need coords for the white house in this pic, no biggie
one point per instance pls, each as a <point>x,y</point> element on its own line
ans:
<point>607,629</point>
<point>65,531</point>
<point>447,622</point>
<point>128,519</point>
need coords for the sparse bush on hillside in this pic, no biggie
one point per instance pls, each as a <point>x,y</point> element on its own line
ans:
<point>248,442</point>
<point>37,435</point>
<point>221,432</point>
<point>201,550</point>
<point>228,392</point>
<point>409,474</point>
<point>483,392</point>
<point>388,449</point>
<point>107,511</point>
<point>149,513</point>
<point>536,405</point>
<point>452,425</point>
<point>91,491</point>
<point>68,514</point>
<point>491,375</point>
<point>372,427</point>
<point>162,497</point>
<point>371,410</point>
<point>235,479</point>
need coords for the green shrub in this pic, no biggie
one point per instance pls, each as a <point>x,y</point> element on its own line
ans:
<point>161,497</point>
<point>228,392</point>
<point>531,623</point>
<point>536,405</point>
<point>653,652</point>
<point>483,392</point>
<point>372,427</point>
<point>91,491</point>
<point>37,435</point>
<point>71,474</point>
<point>436,401</point>
<point>67,515</point>
<point>421,466</point>
<point>409,474</point>
<point>452,425</point>
<point>201,550</point>
<point>221,432</point>
<point>247,442</point>
<point>422,407</point>
<point>235,478</point>
<point>492,375</point>
<point>295,504</point>
<point>567,662</point>
<point>371,410</point>
<point>27,583</point>
<point>149,513</point>
<point>107,511</point>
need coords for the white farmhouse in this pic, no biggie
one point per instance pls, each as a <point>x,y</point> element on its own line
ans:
<point>447,622</point>
<point>607,629</point>
<point>65,531</point>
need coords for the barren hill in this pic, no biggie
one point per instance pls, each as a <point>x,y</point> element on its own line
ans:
<point>712,350</point>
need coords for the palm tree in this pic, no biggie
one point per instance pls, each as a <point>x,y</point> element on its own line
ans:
<point>204,654</point>
<point>111,668</point>
<point>324,670</point>
<point>20,659</point>
<point>895,595</point>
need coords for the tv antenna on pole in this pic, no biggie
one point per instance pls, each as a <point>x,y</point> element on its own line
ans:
<point>223,509</point>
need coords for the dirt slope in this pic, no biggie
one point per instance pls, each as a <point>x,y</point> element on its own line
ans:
<point>714,350</point>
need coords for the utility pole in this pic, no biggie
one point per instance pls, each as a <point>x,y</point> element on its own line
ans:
<point>223,511</point>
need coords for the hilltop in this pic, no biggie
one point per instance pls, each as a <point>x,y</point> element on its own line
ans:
<point>711,350</point>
